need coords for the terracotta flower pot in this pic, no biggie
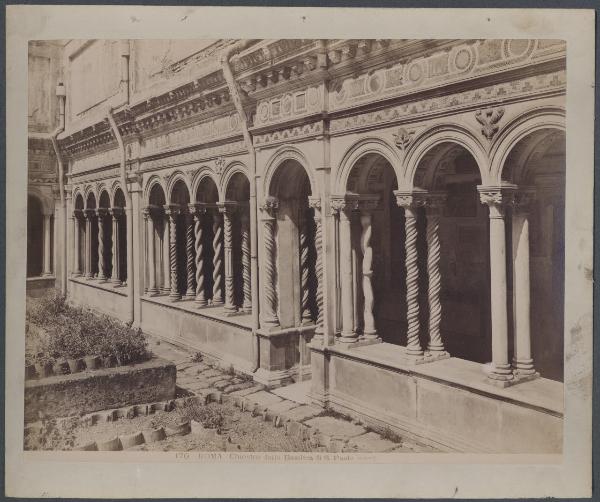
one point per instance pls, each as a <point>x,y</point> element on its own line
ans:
<point>43,369</point>
<point>92,362</point>
<point>108,361</point>
<point>30,372</point>
<point>61,367</point>
<point>74,365</point>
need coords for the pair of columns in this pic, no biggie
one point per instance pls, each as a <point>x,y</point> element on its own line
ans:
<point>88,215</point>
<point>222,214</point>
<point>499,199</point>
<point>269,315</point>
<point>345,207</point>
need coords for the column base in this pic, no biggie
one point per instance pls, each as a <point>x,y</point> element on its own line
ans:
<point>363,341</point>
<point>216,303</point>
<point>516,379</point>
<point>247,310</point>
<point>174,297</point>
<point>47,274</point>
<point>436,355</point>
<point>523,366</point>
<point>190,295</point>
<point>153,292</point>
<point>201,302</point>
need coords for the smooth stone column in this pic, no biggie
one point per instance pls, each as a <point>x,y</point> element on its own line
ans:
<point>522,359</point>
<point>227,209</point>
<point>198,211</point>
<point>344,208</point>
<point>217,293</point>
<point>410,201</point>
<point>116,213</point>
<point>46,268</point>
<point>246,273</point>
<point>152,289</point>
<point>89,213</point>
<point>433,209</point>
<point>76,238</point>
<point>315,204</point>
<point>269,318</point>
<point>496,199</point>
<point>190,266</point>
<point>367,207</point>
<point>172,212</point>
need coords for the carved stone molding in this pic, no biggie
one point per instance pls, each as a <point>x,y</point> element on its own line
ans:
<point>343,203</point>
<point>489,118</point>
<point>270,205</point>
<point>403,138</point>
<point>220,165</point>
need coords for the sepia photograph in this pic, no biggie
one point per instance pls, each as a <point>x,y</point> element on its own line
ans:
<point>298,249</point>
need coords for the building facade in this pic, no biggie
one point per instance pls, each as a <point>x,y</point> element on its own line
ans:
<point>382,217</point>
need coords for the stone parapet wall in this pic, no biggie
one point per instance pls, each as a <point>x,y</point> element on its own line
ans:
<point>64,395</point>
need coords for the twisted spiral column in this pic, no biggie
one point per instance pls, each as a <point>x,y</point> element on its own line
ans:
<point>369,330</point>
<point>166,246</point>
<point>269,312</point>
<point>433,270</point>
<point>228,241</point>
<point>304,272</point>
<point>217,294</point>
<point>413,344</point>
<point>247,303</point>
<point>198,242</point>
<point>172,213</point>
<point>315,203</point>
<point>189,252</point>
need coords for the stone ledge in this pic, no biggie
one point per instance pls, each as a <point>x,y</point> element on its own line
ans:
<point>540,394</point>
<point>85,392</point>
<point>104,286</point>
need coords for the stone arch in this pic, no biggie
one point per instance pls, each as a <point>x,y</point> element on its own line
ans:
<point>177,180</point>
<point>230,171</point>
<point>46,203</point>
<point>90,199</point>
<point>78,198</point>
<point>283,156</point>
<point>104,199</point>
<point>153,182</point>
<point>435,140</point>
<point>204,183</point>
<point>362,148</point>
<point>119,198</point>
<point>530,122</point>
<point>114,186</point>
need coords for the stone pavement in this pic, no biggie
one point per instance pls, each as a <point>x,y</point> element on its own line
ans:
<point>197,375</point>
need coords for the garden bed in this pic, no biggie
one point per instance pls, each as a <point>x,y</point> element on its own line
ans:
<point>74,394</point>
<point>62,339</point>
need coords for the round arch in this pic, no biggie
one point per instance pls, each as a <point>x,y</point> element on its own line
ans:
<point>152,182</point>
<point>279,158</point>
<point>438,135</point>
<point>104,200</point>
<point>79,200</point>
<point>366,146</point>
<point>45,202</point>
<point>203,176</point>
<point>231,170</point>
<point>90,199</point>
<point>178,177</point>
<point>527,123</point>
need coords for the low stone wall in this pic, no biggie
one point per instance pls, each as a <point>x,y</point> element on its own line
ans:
<point>64,395</point>
<point>102,297</point>
<point>446,403</point>
<point>39,286</point>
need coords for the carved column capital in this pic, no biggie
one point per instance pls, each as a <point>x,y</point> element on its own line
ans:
<point>77,213</point>
<point>101,211</point>
<point>172,210</point>
<point>89,213</point>
<point>227,207</point>
<point>435,202</point>
<point>115,212</point>
<point>269,206</point>
<point>343,203</point>
<point>523,199</point>
<point>197,209</point>
<point>497,198</point>
<point>314,202</point>
<point>410,199</point>
<point>368,203</point>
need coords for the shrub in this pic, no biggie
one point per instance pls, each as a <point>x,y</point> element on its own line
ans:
<point>56,330</point>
